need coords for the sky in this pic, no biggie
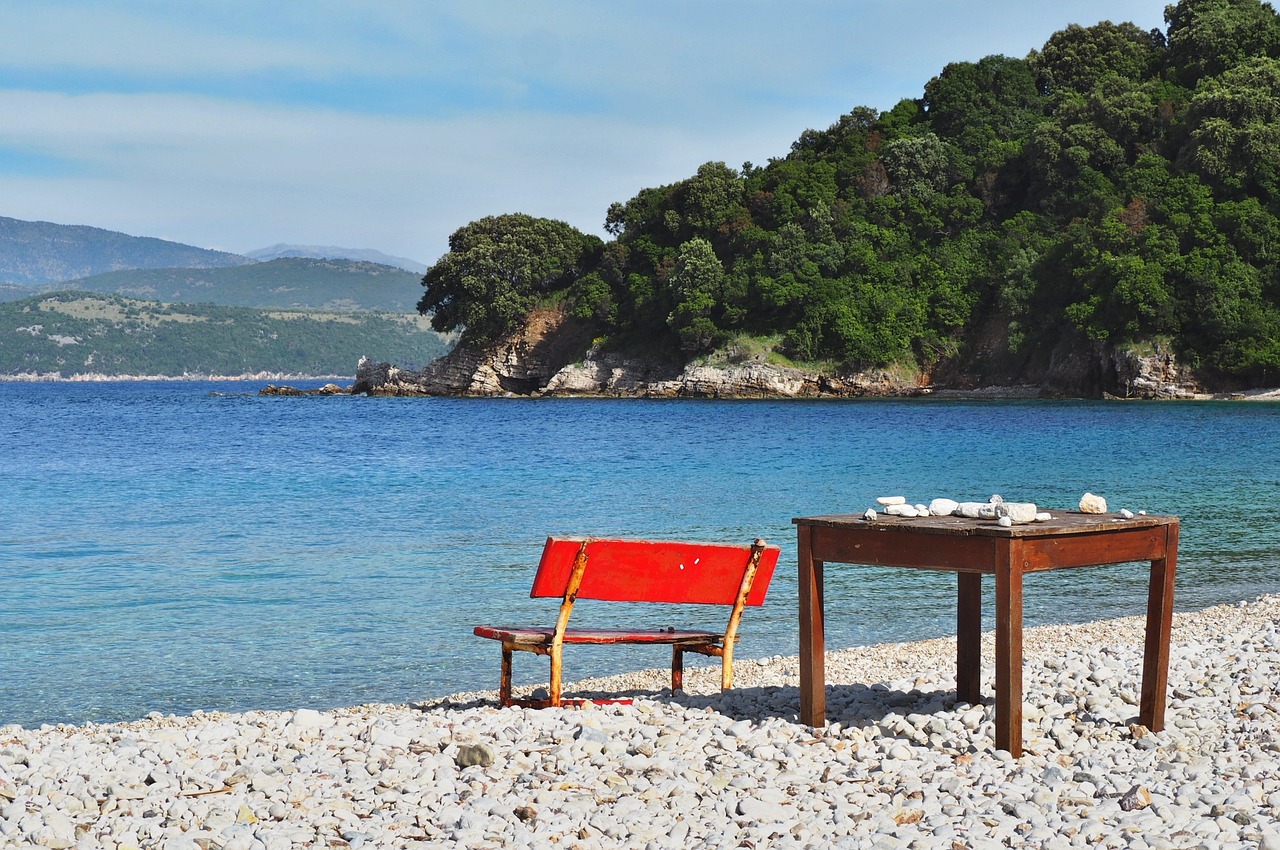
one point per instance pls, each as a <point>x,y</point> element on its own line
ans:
<point>388,124</point>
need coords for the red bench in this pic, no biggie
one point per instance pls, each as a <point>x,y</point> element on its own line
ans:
<point>639,571</point>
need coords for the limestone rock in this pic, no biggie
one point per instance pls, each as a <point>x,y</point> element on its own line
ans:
<point>943,507</point>
<point>1091,504</point>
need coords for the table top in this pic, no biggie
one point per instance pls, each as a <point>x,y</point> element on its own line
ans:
<point>1063,522</point>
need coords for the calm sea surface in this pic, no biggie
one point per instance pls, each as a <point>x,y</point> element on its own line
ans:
<point>167,548</point>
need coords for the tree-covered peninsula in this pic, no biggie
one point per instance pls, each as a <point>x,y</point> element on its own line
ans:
<point>1115,187</point>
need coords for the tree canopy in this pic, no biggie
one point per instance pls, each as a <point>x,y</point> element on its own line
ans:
<point>1116,184</point>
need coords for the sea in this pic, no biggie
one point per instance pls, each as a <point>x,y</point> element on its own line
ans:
<point>173,546</point>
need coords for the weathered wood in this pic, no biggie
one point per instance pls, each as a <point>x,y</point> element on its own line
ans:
<point>969,637</point>
<point>615,570</point>
<point>972,548</point>
<point>1009,651</point>
<point>1155,656</point>
<point>813,686</point>
<point>731,633</point>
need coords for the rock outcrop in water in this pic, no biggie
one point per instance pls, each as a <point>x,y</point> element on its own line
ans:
<point>546,358</point>
<point>553,354</point>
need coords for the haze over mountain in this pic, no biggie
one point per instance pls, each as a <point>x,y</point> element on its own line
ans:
<point>291,282</point>
<point>332,252</point>
<point>37,252</point>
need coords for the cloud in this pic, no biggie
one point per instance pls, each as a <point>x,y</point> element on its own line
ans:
<point>391,123</point>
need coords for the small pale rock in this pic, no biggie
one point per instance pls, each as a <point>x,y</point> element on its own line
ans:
<point>474,754</point>
<point>922,510</point>
<point>1043,516</point>
<point>1126,513</point>
<point>902,510</point>
<point>892,500</point>
<point>943,507</point>
<point>870,515</point>
<point>969,510</point>
<point>762,812</point>
<point>1091,504</point>
<point>1020,512</point>
<point>996,499</point>
<point>1004,522</point>
<point>306,718</point>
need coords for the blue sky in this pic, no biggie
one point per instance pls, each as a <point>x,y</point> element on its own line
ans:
<point>387,124</point>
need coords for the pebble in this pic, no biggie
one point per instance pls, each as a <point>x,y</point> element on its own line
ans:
<point>901,764</point>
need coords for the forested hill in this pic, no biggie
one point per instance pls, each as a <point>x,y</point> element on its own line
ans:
<point>292,282</point>
<point>1115,185</point>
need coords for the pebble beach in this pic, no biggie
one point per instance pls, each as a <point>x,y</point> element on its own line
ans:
<point>900,764</point>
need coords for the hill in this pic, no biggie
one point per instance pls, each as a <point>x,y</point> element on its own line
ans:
<point>35,252</point>
<point>1115,187</point>
<point>335,285</point>
<point>330,252</point>
<point>78,333</point>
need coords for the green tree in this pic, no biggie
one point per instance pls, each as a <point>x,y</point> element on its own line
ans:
<point>497,268</point>
<point>1206,37</point>
<point>697,282</point>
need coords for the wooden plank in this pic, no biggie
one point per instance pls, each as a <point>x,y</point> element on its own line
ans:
<point>1111,547</point>
<point>1155,657</point>
<point>1063,522</point>
<point>536,635</point>
<point>969,637</point>
<point>654,571</point>
<point>1009,651</point>
<point>881,545</point>
<point>813,676</point>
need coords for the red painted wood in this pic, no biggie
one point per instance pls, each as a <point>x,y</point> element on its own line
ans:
<point>535,634</point>
<point>654,571</point>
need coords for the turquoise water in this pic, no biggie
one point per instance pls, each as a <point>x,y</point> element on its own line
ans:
<point>166,548</point>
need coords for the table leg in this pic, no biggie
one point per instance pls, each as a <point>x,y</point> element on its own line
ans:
<point>1155,659</point>
<point>1009,653</point>
<point>969,637</point>
<point>813,676</point>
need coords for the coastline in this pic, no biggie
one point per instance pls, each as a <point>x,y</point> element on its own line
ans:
<point>900,763</point>
<point>96,378</point>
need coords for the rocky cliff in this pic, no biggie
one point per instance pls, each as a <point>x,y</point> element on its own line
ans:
<point>553,355</point>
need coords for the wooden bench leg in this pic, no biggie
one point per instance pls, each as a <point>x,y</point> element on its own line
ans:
<point>504,684</point>
<point>677,669</point>
<point>557,668</point>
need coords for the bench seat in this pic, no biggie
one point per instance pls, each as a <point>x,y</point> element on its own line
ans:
<point>538,635</point>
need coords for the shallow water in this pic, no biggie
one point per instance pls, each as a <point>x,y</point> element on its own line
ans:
<point>165,548</point>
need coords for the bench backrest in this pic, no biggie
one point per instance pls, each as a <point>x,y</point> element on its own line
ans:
<point>653,571</point>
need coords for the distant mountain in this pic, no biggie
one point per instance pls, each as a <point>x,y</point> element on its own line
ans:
<point>81,333</point>
<point>35,252</point>
<point>293,283</point>
<point>330,252</point>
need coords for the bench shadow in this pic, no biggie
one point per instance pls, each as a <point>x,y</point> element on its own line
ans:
<point>849,705</point>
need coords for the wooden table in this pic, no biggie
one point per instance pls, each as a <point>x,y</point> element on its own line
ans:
<point>973,548</point>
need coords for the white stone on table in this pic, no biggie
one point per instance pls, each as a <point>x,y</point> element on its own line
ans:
<point>1004,522</point>
<point>969,510</point>
<point>943,507</point>
<point>1020,512</point>
<point>996,499</point>
<point>1043,516</point>
<point>1126,513</point>
<point>870,515</point>
<point>921,510</point>
<point>902,510</point>
<point>1091,504</point>
<point>891,500</point>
